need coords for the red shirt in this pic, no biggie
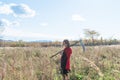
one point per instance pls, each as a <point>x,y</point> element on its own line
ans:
<point>65,59</point>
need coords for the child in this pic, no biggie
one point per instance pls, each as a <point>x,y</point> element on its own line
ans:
<point>65,59</point>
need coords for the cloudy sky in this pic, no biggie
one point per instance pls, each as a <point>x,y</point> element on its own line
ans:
<point>58,19</point>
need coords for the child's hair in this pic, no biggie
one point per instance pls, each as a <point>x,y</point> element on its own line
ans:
<point>67,42</point>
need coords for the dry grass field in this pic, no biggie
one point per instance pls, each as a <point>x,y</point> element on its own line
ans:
<point>34,63</point>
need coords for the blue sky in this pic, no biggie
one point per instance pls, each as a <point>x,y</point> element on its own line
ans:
<point>58,19</point>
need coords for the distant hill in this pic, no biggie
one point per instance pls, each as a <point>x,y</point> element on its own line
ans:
<point>26,41</point>
<point>6,40</point>
<point>42,41</point>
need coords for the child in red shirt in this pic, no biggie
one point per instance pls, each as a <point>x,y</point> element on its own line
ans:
<point>65,60</point>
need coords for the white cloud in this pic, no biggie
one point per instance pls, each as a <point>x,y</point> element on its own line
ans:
<point>44,24</point>
<point>22,10</point>
<point>17,10</point>
<point>77,17</point>
<point>7,23</point>
<point>11,32</point>
<point>4,23</point>
<point>5,9</point>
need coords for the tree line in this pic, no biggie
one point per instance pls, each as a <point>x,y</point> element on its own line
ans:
<point>91,39</point>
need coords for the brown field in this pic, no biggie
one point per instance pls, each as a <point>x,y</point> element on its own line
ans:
<point>33,63</point>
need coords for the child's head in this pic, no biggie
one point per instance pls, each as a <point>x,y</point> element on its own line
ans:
<point>66,43</point>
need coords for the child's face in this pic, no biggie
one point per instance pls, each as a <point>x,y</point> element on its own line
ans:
<point>64,44</point>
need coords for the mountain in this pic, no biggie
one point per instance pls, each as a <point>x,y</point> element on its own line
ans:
<point>42,41</point>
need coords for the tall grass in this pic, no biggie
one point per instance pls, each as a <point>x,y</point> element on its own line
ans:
<point>30,63</point>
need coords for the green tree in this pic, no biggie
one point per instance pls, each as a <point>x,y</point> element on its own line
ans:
<point>91,34</point>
